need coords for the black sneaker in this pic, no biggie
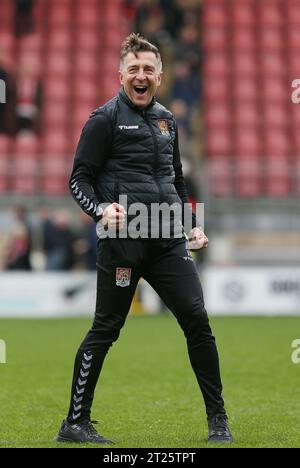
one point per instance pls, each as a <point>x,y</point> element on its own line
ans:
<point>80,432</point>
<point>218,430</point>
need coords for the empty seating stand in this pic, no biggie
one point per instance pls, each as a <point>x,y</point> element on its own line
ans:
<point>251,56</point>
<point>75,49</point>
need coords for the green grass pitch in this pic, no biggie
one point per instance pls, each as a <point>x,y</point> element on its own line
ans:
<point>147,395</point>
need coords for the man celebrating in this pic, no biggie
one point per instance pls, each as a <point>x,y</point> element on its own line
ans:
<point>129,148</point>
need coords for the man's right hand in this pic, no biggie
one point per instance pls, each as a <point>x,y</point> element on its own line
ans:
<point>114,216</point>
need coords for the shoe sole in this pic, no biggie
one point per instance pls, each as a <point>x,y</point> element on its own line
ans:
<point>227,441</point>
<point>65,439</point>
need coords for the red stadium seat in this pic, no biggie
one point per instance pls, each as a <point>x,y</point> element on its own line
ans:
<point>59,14</point>
<point>87,39</point>
<point>55,179</point>
<point>278,177</point>
<point>295,141</point>
<point>248,176</point>
<point>7,42</point>
<point>7,13</point>
<point>112,11</point>
<point>218,142</point>
<point>55,115</point>
<point>247,115</point>
<point>56,89</point>
<point>245,64</point>
<point>295,115</point>
<point>293,37</point>
<point>25,175</point>
<point>58,64</point>
<point>296,173</point>
<point>87,17</point>
<point>216,64</point>
<point>248,143</point>
<point>271,39</point>
<point>113,39</point>
<point>271,13</point>
<point>293,12</point>
<point>85,64</point>
<point>214,13</point>
<point>38,11</point>
<point>5,145</point>
<point>272,64</point>
<point>220,177</point>
<point>243,13</point>
<point>217,115</point>
<point>31,59</point>
<point>245,89</point>
<point>244,38</point>
<point>294,63</point>
<point>56,143</point>
<point>4,173</point>
<point>216,88</point>
<point>26,144</point>
<point>85,91</point>
<point>31,43</point>
<point>59,40</point>
<point>275,115</point>
<point>274,90</point>
<point>277,143</point>
<point>215,38</point>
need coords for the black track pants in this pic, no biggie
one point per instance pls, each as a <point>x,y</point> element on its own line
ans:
<point>169,269</point>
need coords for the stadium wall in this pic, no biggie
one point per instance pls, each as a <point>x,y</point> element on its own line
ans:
<point>228,291</point>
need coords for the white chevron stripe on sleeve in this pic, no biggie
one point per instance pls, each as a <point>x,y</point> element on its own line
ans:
<point>88,358</point>
<point>86,366</point>
<point>81,382</point>
<point>77,399</point>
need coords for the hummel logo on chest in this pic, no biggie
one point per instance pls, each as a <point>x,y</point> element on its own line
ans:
<point>128,127</point>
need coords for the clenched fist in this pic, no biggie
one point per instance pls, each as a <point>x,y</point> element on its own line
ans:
<point>114,216</point>
<point>197,239</point>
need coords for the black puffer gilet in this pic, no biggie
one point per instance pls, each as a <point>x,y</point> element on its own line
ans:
<point>141,161</point>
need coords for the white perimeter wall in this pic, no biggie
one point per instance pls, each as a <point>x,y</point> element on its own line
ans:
<point>234,291</point>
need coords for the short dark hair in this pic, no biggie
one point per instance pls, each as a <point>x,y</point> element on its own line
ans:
<point>136,43</point>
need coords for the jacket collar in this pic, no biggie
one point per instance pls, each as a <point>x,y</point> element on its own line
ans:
<point>123,96</point>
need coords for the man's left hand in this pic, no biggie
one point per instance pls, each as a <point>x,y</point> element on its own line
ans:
<point>197,239</point>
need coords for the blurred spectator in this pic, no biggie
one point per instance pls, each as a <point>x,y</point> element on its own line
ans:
<point>7,120</point>
<point>181,113</point>
<point>19,249</point>
<point>29,99</point>
<point>173,25</point>
<point>188,46</point>
<point>58,240</point>
<point>186,85</point>
<point>173,16</point>
<point>24,19</point>
<point>85,246</point>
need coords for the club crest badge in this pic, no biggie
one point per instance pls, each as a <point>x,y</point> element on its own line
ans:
<point>163,127</point>
<point>123,276</point>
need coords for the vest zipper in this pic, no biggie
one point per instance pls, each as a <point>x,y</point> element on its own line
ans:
<point>156,154</point>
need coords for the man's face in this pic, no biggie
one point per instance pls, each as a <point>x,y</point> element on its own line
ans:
<point>140,77</point>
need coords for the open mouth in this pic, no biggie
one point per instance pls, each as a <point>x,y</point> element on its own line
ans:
<point>140,89</point>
